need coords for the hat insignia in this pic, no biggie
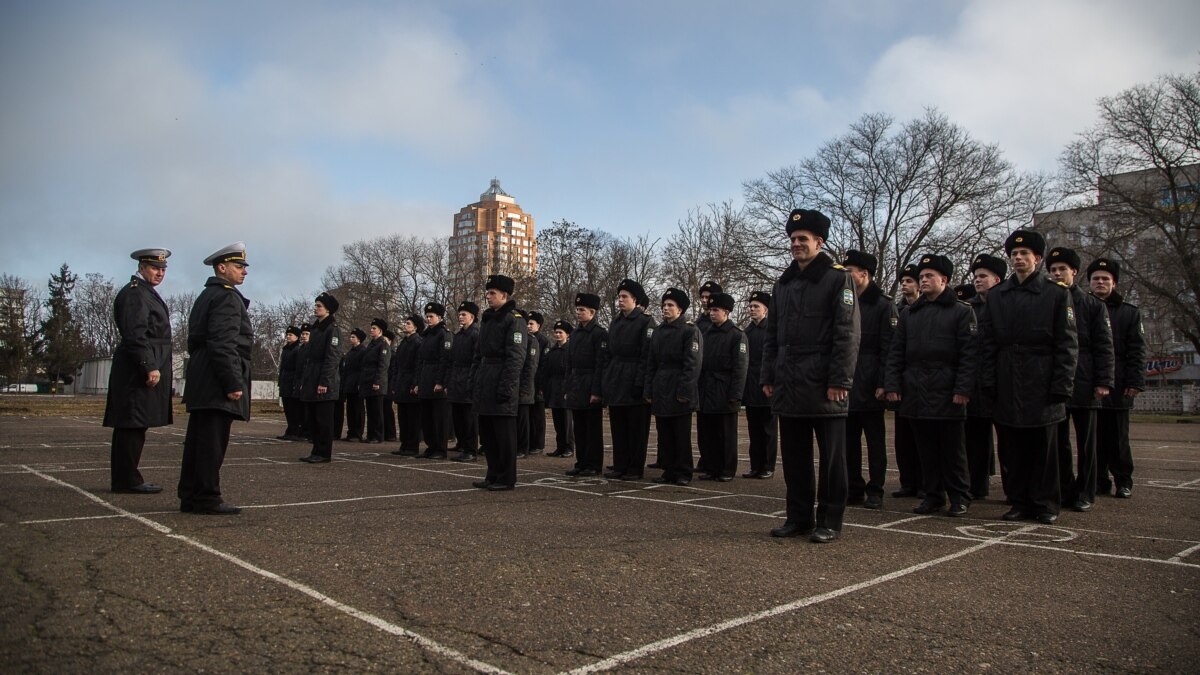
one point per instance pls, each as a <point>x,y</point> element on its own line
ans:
<point>1019,239</point>
<point>796,217</point>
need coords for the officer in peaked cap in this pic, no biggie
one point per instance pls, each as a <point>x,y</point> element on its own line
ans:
<point>219,342</point>
<point>139,384</point>
<point>623,380</point>
<point>587,355</point>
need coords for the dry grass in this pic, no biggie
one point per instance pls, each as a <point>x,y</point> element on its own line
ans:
<point>45,405</point>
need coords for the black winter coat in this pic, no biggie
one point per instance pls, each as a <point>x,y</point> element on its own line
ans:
<point>350,370</point>
<point>539,375</point>
<point>553,370</point>
<point>673,369</point>
<point>462,353</point>
<point>981,400</point>
<point>1129,350</point>
<point>624,379</point>
<point>723,369</point>
<point>433,361</point>
<point>289,370</point>
<point>145,326</point>
<point>321,368</point>
<point>1028,351</point>
<point>877,321</point>
<point>1095,367</point>
<point>533,354</point>
<point>933,358</point>
<point>756,335</point>
<point>376,360</point>
<point>404,367</point>
<point>586,361</point>
<point>812,345</point>
<point>503,342</point>
<point>219,343</point>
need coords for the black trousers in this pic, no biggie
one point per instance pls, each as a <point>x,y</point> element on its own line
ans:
<point>981,451</point>
<point>498,436</point>
<point>829,488</point>
<point>675,446</point>
<point>943,450</point>
<point>537,426</point>
<point>1032,456</point>
<point>908,459</point>
<point>589,438</point>
<point>204,448</point>
<point>1077,480</point>
<point>762,427</point>
<point>374,406</point>
<point>435,423</point>
<point>716,438</point>
<point>355,413</point>
<point>124,457</point>
<point>523,428</point>
<point>867,423</point>
<point>1114,455</point>
<point>564,430</point>
<point>306,415</point>
<point>322,432</point>
<point>466,427</point>
<point>293,412</point>
<point>410,425</point>
<point>630,435</point>
<point>389,420</point>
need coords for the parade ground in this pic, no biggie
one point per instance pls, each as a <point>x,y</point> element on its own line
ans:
<point>379,563</point>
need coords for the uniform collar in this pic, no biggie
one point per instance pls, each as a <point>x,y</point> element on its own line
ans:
<point>815,270</point>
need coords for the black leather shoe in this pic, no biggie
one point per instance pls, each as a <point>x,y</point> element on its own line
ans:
<point>661,480</point>
<point>309,458</point>
<point>762,475</point>
<point>823,535</point>
<point>1124,493</point>
<point>681,482</point>
<point>481,484</point>
<point>464,457</point>
<point>957,510</point>
<point>631,476</point>
<point>143,489</point>
<point>535,451</point>
<point>499,487</point>
<point>556,453</point>
<point>1014,514</point>
<point>750,474</point>
<point>1047,518</point>
<point>927,507</point>
<point>791,530</point>
<point>873,502</point>
<point>587,473</point>
<point>284,437</point>
<point>433,455</point>
<point>186,507</point>
<point>573,471</point>
<point>221,509</point>
<point>567,453</point>
<point>398,452</point>
<point>522,455</point>
<point>706,476</point>
<point>724,479</point>
<point>373,441</point>
<point>904,492</point>
<point>1081,506</point>
<point>317,459</point>
<point>655,465</point>
<point>613,473</point>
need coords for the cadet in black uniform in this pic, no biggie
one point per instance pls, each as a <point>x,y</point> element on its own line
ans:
<point>350,404</point>
<point>218,380</point>
<point>1028,356</point>
<point>761,423</point>
<point>722,381</point>
<point>301,363</point>
<point>624,382</point>
<point>553,376</point>
<point>527,393</point>
<point>986,272</point>
<point>503,343</point>
<point>320,385</point>
<point>707,290</point>
<point>908,461</point>
<point>459,388</point>
<point>139,384</point>
<point>877,319</point>
<point>1093,381</point>
<point>931,374</point>
<point>537,410</point>
<point>586,360</point>
<point>373,382</point>
<point>433,371</point>
<point>289,377</point>
<point>673,386</point>
<point>1113,452</point>
<point>389,414</point>
<point>808,369</point>
<point>404,360</point>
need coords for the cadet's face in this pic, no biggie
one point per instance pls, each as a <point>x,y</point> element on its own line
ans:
<point>584,314</point>
<point>908,286</point>
<point>1023,261</point>
<point>932,283</point>
<point>670,310</point>
<point>984,280</point>
<point>860,276</point>
<point>466,318</point>
<point>319,310</point>
<point>291,337</point>
<point>625,301</point>
<point>495,299</point>
<point>376,332</point>
<point>153,275</point>
<point>304,336</point>
<point>1102,284</point>
<point>757,311</point>
<point>432,319</point>
<point>408,327</point>
<point>533,326</point>
<point>1062,272</point>
<point>805,246</point>
<point>560,336</point>
<point>718,315</point>
<point>705,299</point>
<point>354,341</point>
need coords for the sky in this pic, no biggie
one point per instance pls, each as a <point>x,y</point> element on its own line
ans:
<point>302,126</point>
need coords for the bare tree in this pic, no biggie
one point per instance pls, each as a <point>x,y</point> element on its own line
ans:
<point>94,298</point>
<point>20,315</point>
<point>179,306</point>
<point>1136,174</point>
<point>898,192</point>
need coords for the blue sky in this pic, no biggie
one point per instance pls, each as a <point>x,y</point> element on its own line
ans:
<point>302,126</point>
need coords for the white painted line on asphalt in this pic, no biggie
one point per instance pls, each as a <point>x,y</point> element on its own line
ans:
<point>902,520</point>
<point>689,503</point>
<point>661,645</point>
<point>698,499</point>
<point>381,624</point>
<point>1185,553</point>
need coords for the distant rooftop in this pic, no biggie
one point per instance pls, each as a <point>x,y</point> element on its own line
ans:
<point>496,194</point>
